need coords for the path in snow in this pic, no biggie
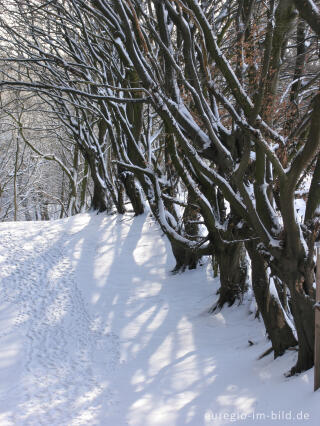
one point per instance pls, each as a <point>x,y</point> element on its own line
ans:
<point>95,331</point>
<point>65,355</point>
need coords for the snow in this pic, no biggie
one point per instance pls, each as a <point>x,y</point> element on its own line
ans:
<point>314,6</point>
<point>94,330</point>
<point>300,208</point>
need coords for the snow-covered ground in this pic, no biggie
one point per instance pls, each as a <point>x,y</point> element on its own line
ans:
<point>95,331</point>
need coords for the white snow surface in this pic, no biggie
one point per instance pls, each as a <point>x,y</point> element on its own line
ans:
<point>94,330</point>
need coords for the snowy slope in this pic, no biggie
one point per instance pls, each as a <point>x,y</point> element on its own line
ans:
<point>95,331</point>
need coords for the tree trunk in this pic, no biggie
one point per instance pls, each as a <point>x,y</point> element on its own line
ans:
<point>273,315</point>
<point>187,259</point>
<point>120,196</point>
<point>233,274</point>
<point>84,185</point>
<point>99,201</point>
<point>303,314</point>
<point>44,210</point>
<point>15,183</point>
<point>132,192</point>
<point>299,276</point>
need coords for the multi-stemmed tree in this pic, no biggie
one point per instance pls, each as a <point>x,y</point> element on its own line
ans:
<point>226,139</point>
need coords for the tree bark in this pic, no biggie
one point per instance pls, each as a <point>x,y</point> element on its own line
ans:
<point>99,199</point>
<point>187,259</point>
<point>273,316</point>
<point>233,274</point>
<point>303,314</point>
<point>132,192</point>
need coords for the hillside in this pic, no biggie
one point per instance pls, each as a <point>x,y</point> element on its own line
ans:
<point>94,330</point>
